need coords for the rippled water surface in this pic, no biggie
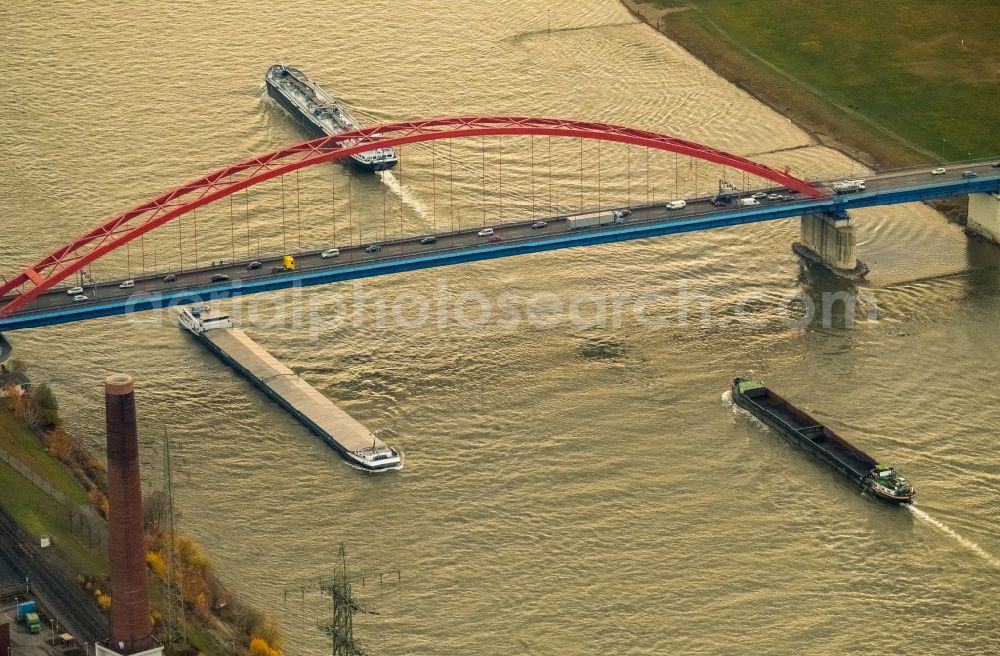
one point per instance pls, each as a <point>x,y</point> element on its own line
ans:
<point>568,488</point>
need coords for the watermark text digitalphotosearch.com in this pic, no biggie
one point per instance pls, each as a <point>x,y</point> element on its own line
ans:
<point>359,307</point>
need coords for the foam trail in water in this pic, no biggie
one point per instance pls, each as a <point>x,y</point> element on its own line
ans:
<point>727,401</point>
<point>390,181</point>
<point>965,542</point>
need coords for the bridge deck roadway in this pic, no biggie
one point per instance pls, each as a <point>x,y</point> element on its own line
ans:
<point>190,286</point>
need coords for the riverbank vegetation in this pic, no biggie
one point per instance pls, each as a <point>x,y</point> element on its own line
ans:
<point>65,476</point>
<point>891,83</point>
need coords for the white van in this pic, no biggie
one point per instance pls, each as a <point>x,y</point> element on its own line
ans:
<point>128,284</point>
<point>746,202</point>
<point>486,232</point>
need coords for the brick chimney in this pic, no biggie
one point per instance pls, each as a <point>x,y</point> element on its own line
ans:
<point>131,627</point>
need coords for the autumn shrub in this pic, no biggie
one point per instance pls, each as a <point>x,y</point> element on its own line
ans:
<point>260,647</point>
<point>156,565</point>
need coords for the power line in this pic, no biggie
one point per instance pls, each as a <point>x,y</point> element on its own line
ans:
<point>173,594</point>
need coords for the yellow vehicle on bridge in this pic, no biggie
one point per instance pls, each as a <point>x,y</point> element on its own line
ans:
<point>289,263</point>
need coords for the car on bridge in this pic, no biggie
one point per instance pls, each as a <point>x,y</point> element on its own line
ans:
<point>995,165</point>
<point>486,232</point>
<point>969,174</point>
<point>219,277</point>
<point>776,197</point>
<point>373,248</point>
<point>253,266</point>
<point>938,171</point>
<point>127,284</point>
<point>760,194</point>
<point>538,225</point>
<point>676,204</point>
<point>170,278</point>
<point>495,238</point>
<point>80,297</point>
<point>73,291</point>
<point>330,252</point>
<point>428,240</point>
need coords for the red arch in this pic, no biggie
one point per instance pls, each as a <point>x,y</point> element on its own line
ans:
<point>70,258</point>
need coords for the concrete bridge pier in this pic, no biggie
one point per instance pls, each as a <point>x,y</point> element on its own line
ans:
<point>6,351</point>
<point>828,240</point>
<point>984,216</point>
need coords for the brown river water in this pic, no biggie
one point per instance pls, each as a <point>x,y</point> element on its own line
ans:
<point>574,480</point>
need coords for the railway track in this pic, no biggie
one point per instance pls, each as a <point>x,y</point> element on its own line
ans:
<point>73,609</point>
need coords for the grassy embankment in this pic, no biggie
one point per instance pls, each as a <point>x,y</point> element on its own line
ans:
<point>51,454</point>
<point>36,512</point>
<point>891,83</point>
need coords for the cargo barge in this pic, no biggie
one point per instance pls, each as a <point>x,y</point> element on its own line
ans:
<point>805,432</point>
<point>359,446</point>
<point>321,114</point>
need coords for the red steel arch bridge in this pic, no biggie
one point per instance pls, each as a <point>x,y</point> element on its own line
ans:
<point>36,295</point>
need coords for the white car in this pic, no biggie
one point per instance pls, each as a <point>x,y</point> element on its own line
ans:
<point>486,232</point>
<point>938,171</point>
<point>330,252</point>
<point>760,194</point>
<point>776,197</point>
<point>128,284</point>
<point>73,291</point>
<point>79,297</point>
<point>676,204</point>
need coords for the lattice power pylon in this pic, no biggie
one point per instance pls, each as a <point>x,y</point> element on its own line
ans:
<point>341,628</point>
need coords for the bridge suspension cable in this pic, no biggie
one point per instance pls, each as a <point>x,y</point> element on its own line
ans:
<point>117,232</point>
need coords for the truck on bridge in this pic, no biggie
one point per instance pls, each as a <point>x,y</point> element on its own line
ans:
<point>593,219</point>
<point>848,186</point>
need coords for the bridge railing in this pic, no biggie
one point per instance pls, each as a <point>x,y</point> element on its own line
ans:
<point>204,291</point>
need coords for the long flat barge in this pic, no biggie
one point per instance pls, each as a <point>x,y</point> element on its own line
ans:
<point>358,445</point>
<point>808,434</point>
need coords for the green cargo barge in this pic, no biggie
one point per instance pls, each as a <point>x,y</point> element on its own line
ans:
<point>805,432</point>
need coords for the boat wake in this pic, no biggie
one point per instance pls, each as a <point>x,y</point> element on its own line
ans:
<point>522,36</point>
<point>390,180</point>
<point>727,401</point>
<point>947,530</point>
